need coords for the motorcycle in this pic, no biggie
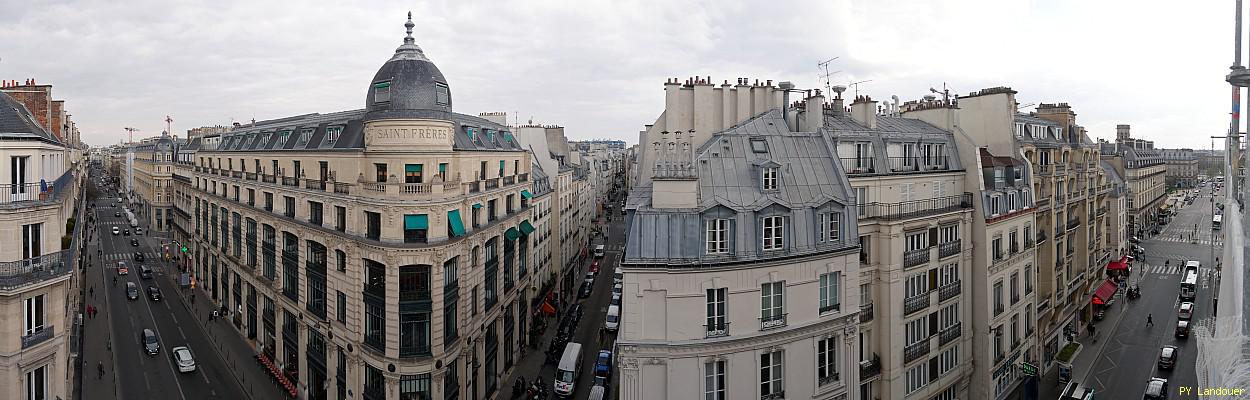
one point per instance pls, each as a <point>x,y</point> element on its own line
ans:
<point>518,387</point>
<point>1134,292</point>
<point>537,391</point>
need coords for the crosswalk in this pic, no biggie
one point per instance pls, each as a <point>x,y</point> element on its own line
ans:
<point>1173,269</point>
<point>147,255</point>
<point>1177,239</point>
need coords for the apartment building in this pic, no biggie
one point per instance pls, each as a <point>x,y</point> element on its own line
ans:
<point>551,204</point>
<point>41,218</point>
<point>915,212</point>
<point>153,168</point>
<point>384,252</point>
<point>1061,163</point>
<point>1182,168</point>
<point>726,225</point>
<point>1144,171</point>
<point>1115,206</point>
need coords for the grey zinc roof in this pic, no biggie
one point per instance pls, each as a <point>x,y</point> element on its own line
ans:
<point>890,130</point>
<point>542,183</point>
<point>845,124</point>
<point>16,122</point>
<point>728,186</point>
<point>267,135</point>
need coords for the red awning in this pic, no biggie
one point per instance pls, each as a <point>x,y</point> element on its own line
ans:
<point>547,308</point>
<point>1117,265</point>
<point>1104,292</point>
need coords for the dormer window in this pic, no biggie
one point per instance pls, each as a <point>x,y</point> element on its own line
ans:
<point>332,133</point>
<point>718,236</point>
<point>772,233</point>
<point>382,92</point>
<point>1019,129</point>
<point>994,206</point>
<point>305,135</point>
<point>828,227</point>
<point>768,178</point>
<point>1011,202</point>
<point>442,95</point>
<point>759,146</point>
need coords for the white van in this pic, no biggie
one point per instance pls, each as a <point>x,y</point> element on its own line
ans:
<point>599,251</point>
<point>570,365</point>
<point>596,393</point>
<point>613,320</point>
<point>618,276</point>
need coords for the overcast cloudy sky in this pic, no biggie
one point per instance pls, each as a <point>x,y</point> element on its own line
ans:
<point>597,66</point>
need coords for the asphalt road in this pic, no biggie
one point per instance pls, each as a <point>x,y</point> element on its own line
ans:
<point>143,376</point>
<point>1129,353</point>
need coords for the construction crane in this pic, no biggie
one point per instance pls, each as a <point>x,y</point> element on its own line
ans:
<point>131,132</point>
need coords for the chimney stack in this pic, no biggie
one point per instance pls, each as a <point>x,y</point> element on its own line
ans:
<point>814,112</point>
<point>864,111</point>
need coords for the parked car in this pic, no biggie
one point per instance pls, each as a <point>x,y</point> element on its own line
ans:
<point>585,290</point>
<point>616,299</point>
<point>613,320</point>
<point>1182,329</point>
<point>616,288</point>
<point>154,293</point>
<point>183,358</point>
<point>150,344</point>
<point>1156,388</point>
<point>1186,311</point>
<point>1167,357</point>
<point>590,278</point>
<point>594,267</point>
<point>603,364</point>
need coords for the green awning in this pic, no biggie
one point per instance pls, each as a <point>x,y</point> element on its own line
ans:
<point>381,85</point>
<point>457,226</point>
<point>418,221</point>
<point>525,194</point>
<point>412,167</point>
<point>512,234</point>
<point>442,167</point>
<point>526,227</point>
<point>477,205</point>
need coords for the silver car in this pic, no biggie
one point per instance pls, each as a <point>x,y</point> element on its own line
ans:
<point>183,358</point>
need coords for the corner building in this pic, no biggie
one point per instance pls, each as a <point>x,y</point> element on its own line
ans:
<point>379,252</point>
<point>742,239</point>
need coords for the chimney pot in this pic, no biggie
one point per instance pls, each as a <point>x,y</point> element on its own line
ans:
<point>770,82</point>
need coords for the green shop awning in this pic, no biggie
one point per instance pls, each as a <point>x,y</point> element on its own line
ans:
<point>477,205</point>
<point>457,226</point>
<point>418,221</point>
<point>512,234</point>
<point>526,227</point>
<point>412,167</point>
<point>526,194</point>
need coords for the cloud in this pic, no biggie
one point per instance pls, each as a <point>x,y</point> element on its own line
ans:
<point>597,66</point>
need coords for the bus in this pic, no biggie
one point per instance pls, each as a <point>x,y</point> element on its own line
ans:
<point>1191,266</point>
<point>1216,221</point>
<point>1189,286</point>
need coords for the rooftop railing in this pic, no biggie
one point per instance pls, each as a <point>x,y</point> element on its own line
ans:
<point>915,208</point>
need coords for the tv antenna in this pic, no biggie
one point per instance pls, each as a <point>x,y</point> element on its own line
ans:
<point>824,65</point>
<point>855,85</point>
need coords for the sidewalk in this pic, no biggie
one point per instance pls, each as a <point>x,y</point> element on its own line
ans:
<point>1048,384</point>
<point>97,335</point>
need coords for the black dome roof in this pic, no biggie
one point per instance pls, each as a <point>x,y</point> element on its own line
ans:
<point>408,85</point>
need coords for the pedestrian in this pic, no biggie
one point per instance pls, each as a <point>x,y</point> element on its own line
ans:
<point>92,291</point>
<point>99,366</point>
<point>211,315</point>
<point>1150,320</point>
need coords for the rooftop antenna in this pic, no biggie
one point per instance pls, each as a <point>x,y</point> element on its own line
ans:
<point>855,85</point>
<point>824,65</point>
<point>945,92</point>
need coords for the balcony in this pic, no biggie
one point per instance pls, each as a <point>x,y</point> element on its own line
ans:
<point>1059,231</point>
<point>314,184</point>
<point>949,248</point>
<point>918,164</point>
<point>915,209</point>
<point>251,176</point>
<point>1028,244</point>
<point>1102,211</point>
<point>236,174</point>
<point>509,180</point>
<point>1061,168</point>
<point>492,183</point>
<point>15,274</point>
<point>715,331</point>
<point>858,166</point>
<point>1042,202</point>
<point>865,313</point>
<point>870,368</point>
<point>772,322</point>
<point>912,258</point>
<point>916,351</point>
<point>915,303</point>
<point>1041,237</point>
<point>342,188</point>
<point>267,178</point>
<point>949,334</point>
<point>1043,170</point>
<point>949,291</point>
<point>1060,198</point>
<point>1045,304</point>
<point>40,336</point>
<point>29,194</point>
<point>289,181</point>
<point>1074,223</point>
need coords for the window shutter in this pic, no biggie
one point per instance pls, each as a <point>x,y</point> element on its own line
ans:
<point>732,237</point>
<point>933,279</point>
<point>933,323</point>
<point>933,369</point>
<point>933,238</point>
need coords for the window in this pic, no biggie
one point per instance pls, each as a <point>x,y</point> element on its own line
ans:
<point>341,260</point>
<point>381,172</point>
<point>948,316</point>
<point>304,135</point>
<point>37,384</point>
<point>772,304</point>
<point>948,233</point>
<point>373,225</point>
<point>994,205</point>
<point>382,92</point>
<point>413,173</point>
<point>1028,279</point>
<point>714,380</point>
<point>861,200</point>
<point>1015,330</point>
<point>997,246</point>
<point>289,202</point>
<point>451,298</point>
<point>314,213</point>
<point>32,246</point>
<point>34,315</point>
<point>917,330</point>
<point>1013,241</point>
<point>917,377</point>
<point>340,214</point>
<point>718,236</point>
<point>918,241</point>
<point>340,310</point>
<point>828,227</point>
<point>716,325</point>
<point>268,201</point>
<point>769,178</point>
<point>332,133</point>
<point>414,387</point>
<point>916,285</point>
<point>416,228</point>
<point>829,292</point>
<point>998,297</point>
<point>1011,202</point>
<point>442,96</point>
<point>948,360</point>
<point>827,360</point>
<point>772,373</point>
<point>771,235</point>
<point>451,382</point>
<point>1015,288</point>
<point>374,384</point>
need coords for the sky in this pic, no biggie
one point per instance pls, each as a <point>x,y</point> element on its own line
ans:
<point>597,67</point>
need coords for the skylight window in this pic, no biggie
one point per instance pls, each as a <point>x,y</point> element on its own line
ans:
<point>759,146</point>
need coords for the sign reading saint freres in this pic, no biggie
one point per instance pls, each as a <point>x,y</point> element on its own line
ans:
<point>408,135</point>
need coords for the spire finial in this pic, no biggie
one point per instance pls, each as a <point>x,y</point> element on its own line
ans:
<point>408,39</point>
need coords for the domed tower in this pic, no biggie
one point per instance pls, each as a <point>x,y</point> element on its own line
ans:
<point>408,85</point>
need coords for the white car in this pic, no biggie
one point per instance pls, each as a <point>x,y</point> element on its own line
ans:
<point>116,230</point>
<point>1186,311</point>
<point>183,359</point>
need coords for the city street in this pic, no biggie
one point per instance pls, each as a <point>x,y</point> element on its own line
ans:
<point>136,374</point>
<point>1128,349</point>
